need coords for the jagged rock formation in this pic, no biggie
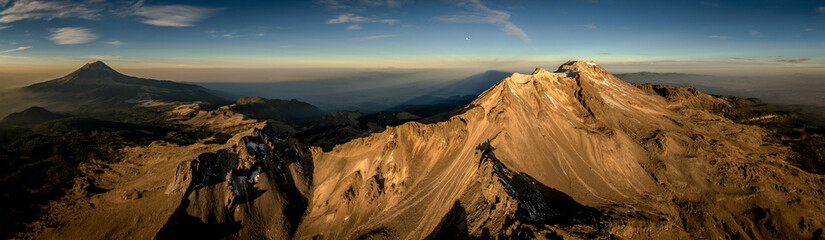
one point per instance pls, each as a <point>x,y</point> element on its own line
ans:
<point>256,188</point>
<point>576,153</point>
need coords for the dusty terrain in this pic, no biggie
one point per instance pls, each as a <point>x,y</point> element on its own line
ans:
<point>575,153</point>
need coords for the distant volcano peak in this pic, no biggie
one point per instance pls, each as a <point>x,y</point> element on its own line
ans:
<point>96,65</point>
<point>94,72</point>
<point>100,83</point>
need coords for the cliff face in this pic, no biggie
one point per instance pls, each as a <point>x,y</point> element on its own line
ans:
<point>574,153</point>
<point>255,189</point>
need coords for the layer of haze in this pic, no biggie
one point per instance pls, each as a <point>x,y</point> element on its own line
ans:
<point>371,90</point>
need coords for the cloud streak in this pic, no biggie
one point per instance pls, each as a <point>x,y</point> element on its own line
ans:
<point>719,37</point>
<point>347,18</point>
<point>47,10</point>
<point>710,4</point>
<point>115,43</point>
<point>353,18</point>
<point>15,50</point>
<point>373,37</point>
<point>172,15</point>
<point>793,60</point>
<point>359,4</point>
<point>477,12</point>
<point>4,27</point>
<point>72,35</point>
<point>755,33</point>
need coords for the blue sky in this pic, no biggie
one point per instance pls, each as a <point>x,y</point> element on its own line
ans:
<point>685,36</point>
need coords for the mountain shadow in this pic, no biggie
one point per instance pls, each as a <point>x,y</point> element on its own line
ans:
<point>184,226</point>
<point>538,203</point>
<point>453,225</point>
<point>288,111</point>
<point>457,94</point>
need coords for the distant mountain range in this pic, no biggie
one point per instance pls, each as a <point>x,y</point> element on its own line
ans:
<point>797,91</point>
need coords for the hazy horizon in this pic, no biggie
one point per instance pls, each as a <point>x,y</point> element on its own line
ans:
<point>146,37</point>
<point>13,78</point>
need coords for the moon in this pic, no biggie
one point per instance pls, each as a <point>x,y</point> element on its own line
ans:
<point>467,39</point>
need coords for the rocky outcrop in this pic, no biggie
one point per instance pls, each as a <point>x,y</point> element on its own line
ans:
<point>256,189</point>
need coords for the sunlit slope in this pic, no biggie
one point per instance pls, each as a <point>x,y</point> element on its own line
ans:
<point>579,131</point>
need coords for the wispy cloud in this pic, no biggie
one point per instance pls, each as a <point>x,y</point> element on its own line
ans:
<point>755,33</point>
<point>3,3</point>
<point>4,27</point>
<point>718,37</point>
<point>741,59</point>
<point>235,35</point>
<point>14,50</point>
<point>821,9</point>
<point>590,26</point>
<point>354,27</point>
<point>172,15</point>
<point>809,29</point>
<point>115,43</point>
<point>359,4</point>
<point>477,12</point>
<point>710,4</point>
<point>332,4</point>
<point>48,10</point>
<point>373,37</point>
<point>389,21</point>
<point>347,18</point>
<point>353,18</point>
<point>72,35</point>
<point>793,60</point>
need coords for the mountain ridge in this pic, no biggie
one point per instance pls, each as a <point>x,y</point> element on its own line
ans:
<point>575,153</point>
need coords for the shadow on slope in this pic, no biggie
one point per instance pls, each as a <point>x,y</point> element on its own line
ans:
<point>457,94</point>
<point>538,203</point>
<point>184,226</point>
<point>339,127</point>
<point>453,225</point>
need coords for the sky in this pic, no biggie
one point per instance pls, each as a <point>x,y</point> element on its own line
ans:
<point>728,37</point>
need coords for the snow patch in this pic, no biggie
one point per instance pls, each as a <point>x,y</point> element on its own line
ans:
<point>551,99</point>
<point>514,92</point>
<point>255,148</point>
